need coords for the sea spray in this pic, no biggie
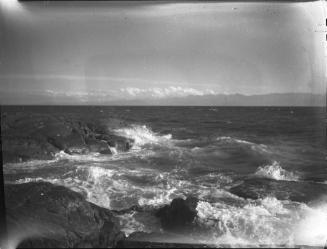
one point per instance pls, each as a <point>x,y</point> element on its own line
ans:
<point>312,229</point>
<point>266,221</point>
<point>142,135</point>
<point>276,172</point>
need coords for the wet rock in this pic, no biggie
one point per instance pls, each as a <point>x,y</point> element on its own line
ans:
<point>179,214</point>
<point>72,144</point>
<point>28,136</point>
<point>282,190</point>
<point>95,145</point>
<point>45,215</point>
<point>24,149</point>
<point>118,142</point>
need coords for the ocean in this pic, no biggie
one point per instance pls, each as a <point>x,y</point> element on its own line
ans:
<point>259,173</point>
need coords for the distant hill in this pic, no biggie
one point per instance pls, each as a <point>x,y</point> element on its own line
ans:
<point>274,99</point>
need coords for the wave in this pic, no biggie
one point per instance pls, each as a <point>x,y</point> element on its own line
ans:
<point>266,221</point>
<point>119,188</point>
<point>230,139</point>
<point>276,172</point>
<point>226,219</point>
<point>81,157</point>
<point>253,146</point>
<point>60,156</point>
<point>142,135</point>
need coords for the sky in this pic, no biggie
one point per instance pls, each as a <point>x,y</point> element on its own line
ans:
<point>146,50</point>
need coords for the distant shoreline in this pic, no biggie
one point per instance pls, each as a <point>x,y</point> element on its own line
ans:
<point>266,100</point>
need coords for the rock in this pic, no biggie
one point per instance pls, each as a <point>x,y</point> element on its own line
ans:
<point>33,135</point>
<point>23,149</point>
<point>95,145</point>
<point>179,214</point>
<point>256,188</point>
<point>72,144</point>
<point>41,214</point>
<point>118,142</point>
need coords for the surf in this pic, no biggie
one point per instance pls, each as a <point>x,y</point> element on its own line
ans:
<point>276,172</point>
<point>142,135</point>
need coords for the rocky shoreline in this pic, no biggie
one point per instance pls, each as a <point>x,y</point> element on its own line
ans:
<point>41,214</point>
<point>44,215</point>
<point>35,136</point>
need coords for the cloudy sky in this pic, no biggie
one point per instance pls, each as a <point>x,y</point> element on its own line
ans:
<point>143,50</point>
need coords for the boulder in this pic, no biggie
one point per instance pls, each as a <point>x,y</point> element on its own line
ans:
<point>41,214</point>
<point>72,144</point>
<point>179,214</point>
<point>118,142</point>
<point>100,146</point>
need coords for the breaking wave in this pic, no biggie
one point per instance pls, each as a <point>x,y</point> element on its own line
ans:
<point>276,172</point>
<point>266,221</point>
<point>142,135</point>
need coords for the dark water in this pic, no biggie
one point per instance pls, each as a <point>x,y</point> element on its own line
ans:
<point>204,152</point>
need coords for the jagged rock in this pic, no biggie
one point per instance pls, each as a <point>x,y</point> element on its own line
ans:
<point>45,215</point>
<point>179,214</point>
<point>27,136</point>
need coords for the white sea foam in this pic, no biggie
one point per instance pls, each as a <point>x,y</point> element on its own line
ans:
<point>81,157</point>
<point>247,222</point>
<point>10,168</point>
<point>254,223</point>
<point>113,150</point>
<point>142,135</point>
<point>312,229</point>
<point>138,221</point>
<point>230,139</point>
<point>266,221</point>
<point>253,146</point>
<point>118,188</point>
<point>276,172</point>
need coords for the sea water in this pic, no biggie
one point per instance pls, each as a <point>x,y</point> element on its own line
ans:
<point>203,152</point>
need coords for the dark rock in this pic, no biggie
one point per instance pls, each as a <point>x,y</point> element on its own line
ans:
<point>73,143</point>
<point>33,135</point>
<point>118,142</point>
<point>283,190</point>
<point>179,214</point>
<point>46,215</point>
<point>23,149</point>
<point>96,145</point>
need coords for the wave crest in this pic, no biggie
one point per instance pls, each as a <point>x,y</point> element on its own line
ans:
<point>276,172</point>
<point>255,147</point>
<point>266,221</point>
<point>142,135</point>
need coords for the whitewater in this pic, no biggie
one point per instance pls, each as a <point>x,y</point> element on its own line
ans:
<point>174,157</point>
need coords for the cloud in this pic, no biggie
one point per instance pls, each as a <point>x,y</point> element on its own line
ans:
<point>164,92</point>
